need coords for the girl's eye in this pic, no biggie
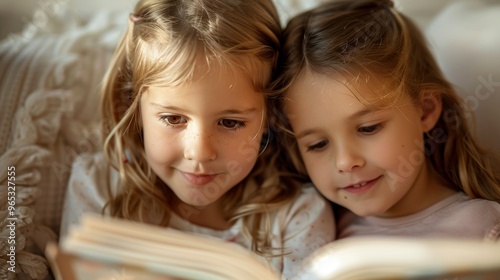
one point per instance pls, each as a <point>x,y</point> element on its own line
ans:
<point>371,129</point>
<point>318,146</point>
<point>231,124</point>
<point>173,120</point>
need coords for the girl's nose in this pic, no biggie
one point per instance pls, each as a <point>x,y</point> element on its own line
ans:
<point>199,146</point>
<point>348,159</point>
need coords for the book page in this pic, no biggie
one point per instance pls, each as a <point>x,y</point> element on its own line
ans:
<point>103,246</point>
<point>404,258</point>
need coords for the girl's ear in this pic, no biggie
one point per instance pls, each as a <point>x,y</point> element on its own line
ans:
<point>431,107</point>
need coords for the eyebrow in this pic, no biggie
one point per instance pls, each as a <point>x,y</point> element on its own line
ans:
<point>230,111</point>
<point>356,115</point>
<point>165,107</point>
<point>362,113</point>
<point>242,112</point>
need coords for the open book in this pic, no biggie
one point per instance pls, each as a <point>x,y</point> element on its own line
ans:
<point>105,248</point>
<point>404,258</point>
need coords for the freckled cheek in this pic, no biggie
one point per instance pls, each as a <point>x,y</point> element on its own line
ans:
<point>226,142</point>
<point>243,148</point>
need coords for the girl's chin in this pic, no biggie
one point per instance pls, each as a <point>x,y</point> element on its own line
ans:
<point>197,204</point>
<point>190,204</point>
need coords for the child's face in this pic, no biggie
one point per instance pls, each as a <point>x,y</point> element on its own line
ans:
<point>202,138</point>
<point>367,160</point>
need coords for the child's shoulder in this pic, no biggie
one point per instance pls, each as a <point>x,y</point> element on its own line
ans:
<point>87,188</point>
<point>465,209</point>
<point>477,208</point>
<point>478,214</point>
<point>307,220</point>
<point>308,205</point>
<point>309,195</point>
<point>476,205</point>
<point>89,162</point>
<point>92,168</point>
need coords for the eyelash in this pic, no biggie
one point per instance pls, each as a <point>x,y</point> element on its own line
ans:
<point>372,129</point>
<point>166,121</point>
<point>237,124</point>
<point>318,146</point>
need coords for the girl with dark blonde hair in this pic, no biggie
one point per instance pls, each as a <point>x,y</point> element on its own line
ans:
<point>188,134</point>
<point>370,119</point>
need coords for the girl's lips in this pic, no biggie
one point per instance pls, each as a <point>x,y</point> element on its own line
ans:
<point>363,187</point>
<point>198,179</point>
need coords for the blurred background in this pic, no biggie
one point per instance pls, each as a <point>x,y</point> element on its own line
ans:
<point>15,15</point>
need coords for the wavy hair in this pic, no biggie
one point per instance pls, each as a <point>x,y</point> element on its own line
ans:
<point>161,46</point>
<point>370,37</point>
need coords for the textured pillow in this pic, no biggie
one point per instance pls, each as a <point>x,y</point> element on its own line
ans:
<point>49,87</point>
